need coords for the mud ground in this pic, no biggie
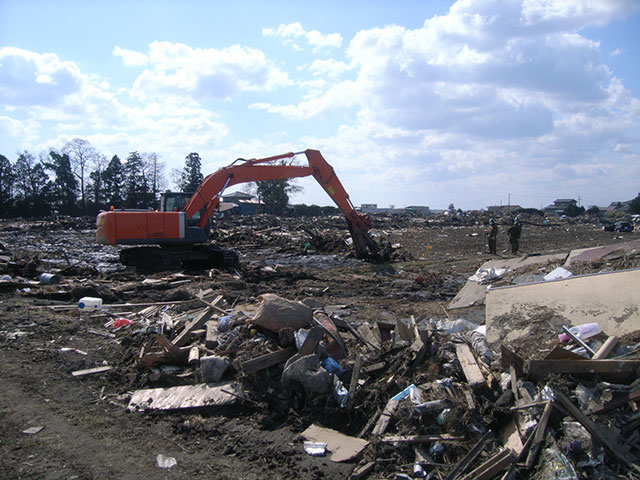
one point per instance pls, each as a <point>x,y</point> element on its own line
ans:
<point>87,432</point>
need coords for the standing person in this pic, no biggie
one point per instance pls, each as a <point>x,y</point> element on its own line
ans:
<point>492,235</point>
<point>514,233</point>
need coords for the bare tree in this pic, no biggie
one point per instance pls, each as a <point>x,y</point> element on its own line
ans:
<point>80,152</point>
<point>154,170</point>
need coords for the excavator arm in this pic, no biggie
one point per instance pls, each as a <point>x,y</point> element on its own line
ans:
<point>207,196</point>
<point>175,228</point>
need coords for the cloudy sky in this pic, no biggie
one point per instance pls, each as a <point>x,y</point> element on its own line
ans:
<point>475,102</point>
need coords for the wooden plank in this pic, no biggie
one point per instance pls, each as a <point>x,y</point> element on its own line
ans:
<point>615,403</point>
<point>355,375</point>
<point>199,321</point>
<point>538,438</point>
<point>608,370</point>
<point>606,348</point>
<point>420,438</point>
<point>470,367</point>
<point>267,360</point>
<point>385,417</point>
<point>470,456</point>
<point>508,357</point>
<point>607,438</point>
<point>91,371</point>
<point>187,396</point>
<point>362,470</point>
<point>500,461</point>
<point>211,339</point>
<point>213,305</point>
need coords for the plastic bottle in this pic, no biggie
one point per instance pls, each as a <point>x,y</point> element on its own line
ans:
<point>584,331</point>
<point>90,303</point>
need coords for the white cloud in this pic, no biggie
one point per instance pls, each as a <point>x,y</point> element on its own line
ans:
<point>294,31</point>
<point>178,69</point>
<point>130,58</point>
<point>28,78</point>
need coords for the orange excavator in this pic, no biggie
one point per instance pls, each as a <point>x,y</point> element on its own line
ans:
<point>170,238</point>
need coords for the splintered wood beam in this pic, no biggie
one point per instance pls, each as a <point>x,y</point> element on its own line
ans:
<point>470,367</point>
<point>196,323</point>
<point>615,370</point>
<point>470,456</point>
<point>538,438</point>
<point>355,375</point>
<point>500,461</point>
<point>609,439</point>
<point>268,360</point>
<point>385,417</point>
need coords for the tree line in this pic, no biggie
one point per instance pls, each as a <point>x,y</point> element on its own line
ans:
<point>79,180</point>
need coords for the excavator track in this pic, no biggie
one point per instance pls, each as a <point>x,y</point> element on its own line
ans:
<point>196,257</point>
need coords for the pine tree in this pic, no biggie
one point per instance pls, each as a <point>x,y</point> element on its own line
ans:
<point>191,177</point>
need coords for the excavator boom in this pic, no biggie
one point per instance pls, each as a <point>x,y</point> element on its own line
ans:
<point>186,228</point>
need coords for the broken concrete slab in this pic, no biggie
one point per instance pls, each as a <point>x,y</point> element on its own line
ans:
<point>343,447</point>
<point>187,396</point>
<point>473,293</point>
<point>611,299</point>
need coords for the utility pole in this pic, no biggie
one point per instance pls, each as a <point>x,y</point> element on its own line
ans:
<point>509,204</point>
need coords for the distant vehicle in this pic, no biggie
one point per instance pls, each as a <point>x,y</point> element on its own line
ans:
<point>609,227</point>
<point>624,227</point>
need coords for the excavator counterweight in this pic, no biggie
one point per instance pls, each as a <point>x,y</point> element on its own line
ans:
<point>179,237</point>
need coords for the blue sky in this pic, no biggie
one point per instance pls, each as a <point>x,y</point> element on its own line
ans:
<point>472,102</point>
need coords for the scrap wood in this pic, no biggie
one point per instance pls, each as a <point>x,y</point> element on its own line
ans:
<point>355,375</point>
<point>186,396</point>
<point>385,417</point>
<point>169,354</point>
<point>606,437</point>
<point>211,339</point>
<point>470,367</point>
<point>606,348</point>
<point>615,403</point>
<point>509,357</point>
<point>608,370</point>
<point>268,360</point>
<point>500,461</point>
<point>420,438</point>
<point>195,324</point>
<point>311,341</point>
<point>91,371</point>
<point>362,470</point>
<point>214,304</point>
<point>465,461</point>
<point>538,438</point>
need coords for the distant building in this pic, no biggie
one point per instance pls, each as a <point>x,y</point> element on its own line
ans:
<point>560,206</point>
<point>240,203</point>
<point>503,209</point>
<point>420,210</point>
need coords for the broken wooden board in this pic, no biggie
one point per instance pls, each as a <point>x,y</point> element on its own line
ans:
<point>185,336</point>
<point>341,446</point>
<point>187,396</point>
<point>608,370</point>
<point>611,299</point>
<point>385,417</point>
<point>499,462</point>
<point>91,371</point>
<point>473,293</point>
<point>470,367</point>
<point>267,360</point>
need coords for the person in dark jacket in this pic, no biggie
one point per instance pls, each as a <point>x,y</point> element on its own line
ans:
<point>492,236</point>
<point>514,233</point>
